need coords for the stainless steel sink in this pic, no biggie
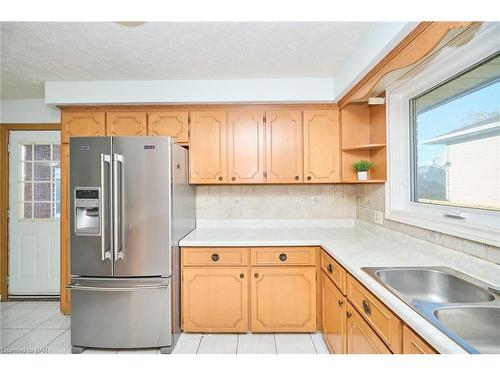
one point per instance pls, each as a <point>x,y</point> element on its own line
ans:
<point>460,306</point>
<point>433,286</point>
<point>479,326</point>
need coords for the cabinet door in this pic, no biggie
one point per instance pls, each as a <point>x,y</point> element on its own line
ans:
<point>65,270</point>
<point>126,123</point>
<point>283,299</point>
<point>215,299</point>
<point>284,158</point>
<point>82,124</point>
<point>361,338</point>
<point>207,148</point>
<point>321,146</point>
<point>170,124</point>
<point>246,147</point>
<point>334,316</point>
<point>413,344</point>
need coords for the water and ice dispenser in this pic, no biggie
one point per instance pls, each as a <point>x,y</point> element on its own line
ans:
<point>87,211</point>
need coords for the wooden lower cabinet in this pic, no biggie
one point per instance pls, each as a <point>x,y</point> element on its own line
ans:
<point>333,305</point>
<point>413,344</point>
<point>215,299</point>
<point>283,299</point>
<point>361,338</point>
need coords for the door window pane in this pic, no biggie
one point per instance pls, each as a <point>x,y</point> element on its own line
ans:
<point>456,141</point>
<point>40,179</point>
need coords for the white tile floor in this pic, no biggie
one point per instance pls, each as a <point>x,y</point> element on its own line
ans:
<point>30,327</point>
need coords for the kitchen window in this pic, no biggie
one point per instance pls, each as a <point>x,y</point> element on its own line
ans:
<point>456,140</point>
<point>443,130</point>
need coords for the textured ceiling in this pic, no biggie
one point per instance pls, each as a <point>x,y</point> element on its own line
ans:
<point>34,52</point>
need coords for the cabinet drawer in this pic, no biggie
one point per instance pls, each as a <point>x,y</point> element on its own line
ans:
<point>214,256</point>
<point>335,271</point>
<point>291,256</point>
<point>361,338</point>
<point>384,321</point>
<point>413,344</point>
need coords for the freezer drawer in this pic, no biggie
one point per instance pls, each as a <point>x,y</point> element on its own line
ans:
<point>118,313</point>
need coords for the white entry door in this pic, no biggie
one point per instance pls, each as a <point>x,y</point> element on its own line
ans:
<point>34,207</point>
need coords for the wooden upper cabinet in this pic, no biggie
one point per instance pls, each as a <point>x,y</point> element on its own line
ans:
<point>333,305</point>
<point>82,124</point>
<point>207,145</point>
<point>361,338</point>
<point>283,299</point>
<point>321,146</point>
<point>284,147</point>
<point>246,147</point>
<point>413,344</point>
<point>215,299</point>
<point>126,123</point>
<point>171,124</point>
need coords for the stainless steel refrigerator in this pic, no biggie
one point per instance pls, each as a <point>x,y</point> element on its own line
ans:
<point>131,204</point>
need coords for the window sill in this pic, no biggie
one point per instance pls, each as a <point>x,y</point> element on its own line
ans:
<point>455,228</point>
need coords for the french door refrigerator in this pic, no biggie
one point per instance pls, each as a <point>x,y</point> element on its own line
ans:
<point>130,205</point>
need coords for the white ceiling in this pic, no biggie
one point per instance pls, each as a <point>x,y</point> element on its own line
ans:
<point>34,52</point>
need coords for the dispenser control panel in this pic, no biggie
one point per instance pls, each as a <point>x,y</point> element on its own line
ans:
<point>87,211</point>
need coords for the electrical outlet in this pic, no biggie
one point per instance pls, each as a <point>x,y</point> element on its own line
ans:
<point>378,217</point>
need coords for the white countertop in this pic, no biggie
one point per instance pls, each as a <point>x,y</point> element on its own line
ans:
<point>362,245</point>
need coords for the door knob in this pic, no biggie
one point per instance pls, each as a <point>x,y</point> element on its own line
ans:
<point>296,178</point>
<point>242,275</point>
<point>329,268</point>
<point>340,302</point>
<point>366,307</point>
<point>215,257</point>
<point>283,257</point>
<point>256,275</point>
<point>348,314</point>
<point>220,178</point>
<point>309,178</point>
<point>233,178</point>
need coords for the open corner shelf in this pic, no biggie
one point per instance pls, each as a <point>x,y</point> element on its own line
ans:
<point>371,146</point>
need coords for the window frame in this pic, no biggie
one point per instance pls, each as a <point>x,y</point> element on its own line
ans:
<point>479,225</point>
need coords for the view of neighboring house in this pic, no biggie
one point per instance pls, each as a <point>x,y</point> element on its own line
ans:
<point>471,174</point>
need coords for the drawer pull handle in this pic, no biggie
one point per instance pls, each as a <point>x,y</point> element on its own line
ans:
<point>341,302</point>
<point>348,313</point>
<point>256,275</point>
<point>330,268</point>
<point>366,307</point>
<point>215,257</point>
<point>283,257</point>
<point>242,275</point>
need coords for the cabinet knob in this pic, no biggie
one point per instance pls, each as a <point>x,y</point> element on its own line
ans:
<point>348,313</point>
<point>283,257</point>
<point>366,307</point>
<point>296,178</point>
<point>309,178</point>
<point>220,178</point>
<point>329,268</point>
<point>242,275</point>
<point>215,257</point>
<point>233,178</point>
<point>340,302</point>
<point>256,275</point>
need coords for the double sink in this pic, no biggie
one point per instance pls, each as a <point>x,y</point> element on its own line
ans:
<point>465,309</point>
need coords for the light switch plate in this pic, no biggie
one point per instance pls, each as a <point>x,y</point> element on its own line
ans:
<point>378,217</point>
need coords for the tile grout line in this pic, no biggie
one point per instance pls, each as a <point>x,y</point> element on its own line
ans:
<point>18,337</point>
<point>314,346</point>
<point>50,342</point>
<point>199,343</point>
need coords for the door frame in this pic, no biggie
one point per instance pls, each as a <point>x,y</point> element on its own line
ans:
<point>5,130</point>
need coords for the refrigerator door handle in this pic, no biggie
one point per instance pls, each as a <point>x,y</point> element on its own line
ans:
<point>119,233</point>
<point>117,289</point>
<point>105,253</point>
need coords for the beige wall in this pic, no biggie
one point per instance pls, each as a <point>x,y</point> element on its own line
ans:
<point>371,198</point>
<point>276,202</point>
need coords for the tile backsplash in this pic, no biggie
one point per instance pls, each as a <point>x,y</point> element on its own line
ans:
<point>276,202</point>
<point>371,198</point>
